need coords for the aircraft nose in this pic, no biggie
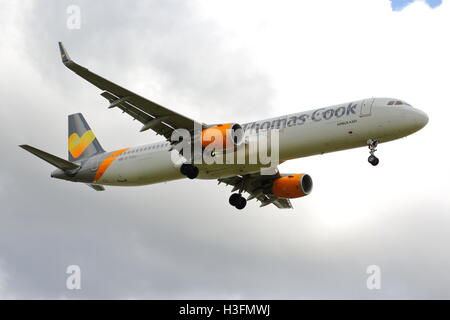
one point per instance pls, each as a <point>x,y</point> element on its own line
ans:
<point>421,118</point>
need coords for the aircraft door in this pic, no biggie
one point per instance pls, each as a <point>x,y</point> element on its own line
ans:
<point>366,107</point>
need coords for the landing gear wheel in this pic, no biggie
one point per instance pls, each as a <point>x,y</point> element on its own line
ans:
<point>237,201</point>
<point>193,173</point>
<point>234,198</point>
<point>372,144</point>
<point>189,170</point>
<point>241,203</point>
<point>373,160</point>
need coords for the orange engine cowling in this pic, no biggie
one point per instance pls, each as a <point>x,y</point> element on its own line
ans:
<point>222,136</point>
<point>293,186</point>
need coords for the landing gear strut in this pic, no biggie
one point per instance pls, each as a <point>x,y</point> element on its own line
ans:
<point>372,144</point>
<point>189,170</point>
<point>238,201</point>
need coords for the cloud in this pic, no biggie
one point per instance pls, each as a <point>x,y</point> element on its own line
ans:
<point>4,294</point>
<point>181,239</point>
<point>163,50</point>
<point>41,237</point>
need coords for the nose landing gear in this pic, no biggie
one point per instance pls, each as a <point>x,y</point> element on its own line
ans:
<point>372,144</point>
<point>238,201</point>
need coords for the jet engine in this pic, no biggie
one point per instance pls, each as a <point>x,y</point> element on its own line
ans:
<point>223,136</point>
<point>292,186</point>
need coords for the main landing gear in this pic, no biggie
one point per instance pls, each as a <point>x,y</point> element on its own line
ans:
<point>189,170</point>
<point>372,144</point>
<point>238,201</point>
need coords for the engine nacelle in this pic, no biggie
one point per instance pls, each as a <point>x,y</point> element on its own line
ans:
<point>293,186</point>
<point>223,136</point>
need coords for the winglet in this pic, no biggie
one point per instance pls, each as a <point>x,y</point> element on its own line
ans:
<point>64,55</point>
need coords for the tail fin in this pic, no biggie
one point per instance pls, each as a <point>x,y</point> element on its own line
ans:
<point>82,141</point>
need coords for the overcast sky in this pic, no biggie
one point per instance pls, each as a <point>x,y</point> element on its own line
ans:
<point>222,61</point>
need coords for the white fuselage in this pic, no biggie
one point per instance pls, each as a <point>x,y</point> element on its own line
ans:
<point>303,134</point>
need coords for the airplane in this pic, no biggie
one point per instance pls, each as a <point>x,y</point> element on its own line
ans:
<point>366,122</point>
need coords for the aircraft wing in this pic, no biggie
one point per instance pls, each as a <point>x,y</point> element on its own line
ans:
<point>257,185</point>
<point>152,115</point>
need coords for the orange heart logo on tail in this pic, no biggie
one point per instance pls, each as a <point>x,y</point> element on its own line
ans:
<point>78,145</point>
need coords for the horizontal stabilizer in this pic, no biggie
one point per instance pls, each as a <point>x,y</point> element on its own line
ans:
<point>53,160</point>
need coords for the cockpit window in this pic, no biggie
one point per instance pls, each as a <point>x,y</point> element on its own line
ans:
<point>397,103</point>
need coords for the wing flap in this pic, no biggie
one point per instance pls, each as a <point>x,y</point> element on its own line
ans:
<point>136,113</point>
